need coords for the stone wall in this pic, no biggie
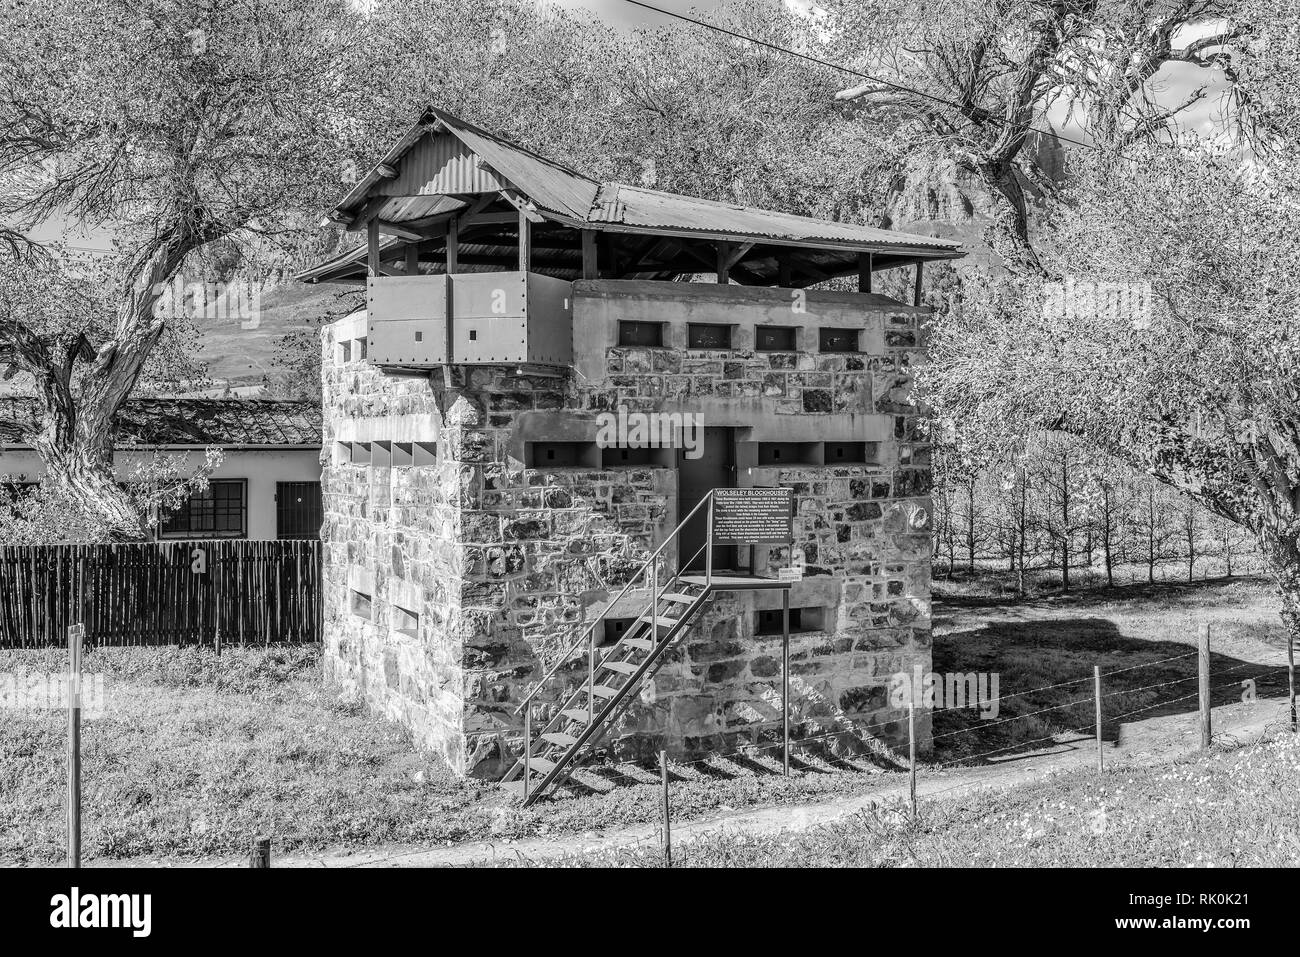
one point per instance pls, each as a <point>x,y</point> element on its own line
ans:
<point>506,561</point>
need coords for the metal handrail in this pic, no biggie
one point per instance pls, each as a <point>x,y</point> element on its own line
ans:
<point>582,638</point>
<point>528,737</point>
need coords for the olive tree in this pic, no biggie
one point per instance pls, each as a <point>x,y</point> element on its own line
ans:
<point>173,124</point>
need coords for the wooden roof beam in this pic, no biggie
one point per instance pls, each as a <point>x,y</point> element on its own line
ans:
<point>523,204</point>
<point>367,212</point>
<point>808,268</point>
<point>638,254</point>
<point>401,232</point>
<point>714,260</point>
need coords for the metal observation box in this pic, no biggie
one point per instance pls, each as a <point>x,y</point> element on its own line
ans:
<point>420,322</point>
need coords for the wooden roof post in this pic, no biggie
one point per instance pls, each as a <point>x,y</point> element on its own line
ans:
<point>916,293</point>
<point>864,272</point>
<point>590,266</point>
<point>372,247</point>
<point>412,259</point>
<point>525,242</point>
<point>783,272</point>
<point>453,245</point>
<point>724,263</point>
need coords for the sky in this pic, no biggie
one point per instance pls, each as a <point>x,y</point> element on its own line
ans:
<point>620,13</point>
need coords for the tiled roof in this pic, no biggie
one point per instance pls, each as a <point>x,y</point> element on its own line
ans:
<point>190,422</point>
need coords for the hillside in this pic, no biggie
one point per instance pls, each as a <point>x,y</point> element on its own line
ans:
<point>244,357</point>
<point>948,202</point>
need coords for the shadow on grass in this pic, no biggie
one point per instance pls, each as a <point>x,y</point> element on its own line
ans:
<point>816,756</point>
<point>996,591</point>
<point>1045,684</point>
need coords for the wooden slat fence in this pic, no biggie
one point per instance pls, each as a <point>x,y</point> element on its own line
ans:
<point>161,593</point>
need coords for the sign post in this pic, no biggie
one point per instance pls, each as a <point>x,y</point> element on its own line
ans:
<point>762,516</point>
<point>76,633</point>
<point>785,681</point>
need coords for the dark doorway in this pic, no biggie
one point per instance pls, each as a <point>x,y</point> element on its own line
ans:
<point>297,510</point>
<point>696,477</point>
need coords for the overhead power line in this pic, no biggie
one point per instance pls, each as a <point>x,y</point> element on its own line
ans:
<point>865,76</point>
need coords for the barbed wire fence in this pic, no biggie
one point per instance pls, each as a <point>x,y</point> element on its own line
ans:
<point>932,777</point>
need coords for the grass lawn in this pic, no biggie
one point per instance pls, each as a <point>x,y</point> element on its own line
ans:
<point>1233,807</point>
<point>1052,642</point>
<point>197,754</point>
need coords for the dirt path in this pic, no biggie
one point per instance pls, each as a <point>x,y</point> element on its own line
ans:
<point>1139,743</point>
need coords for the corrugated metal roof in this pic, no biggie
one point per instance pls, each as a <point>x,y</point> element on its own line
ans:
<point>190,422</point>
<point>439,163</point>
<point>356,254</point>
<point>548,184</point>
<point>442,156</point>
<point>404,209</point>
<point>619,204</point>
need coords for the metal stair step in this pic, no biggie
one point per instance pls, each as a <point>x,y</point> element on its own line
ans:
<point>604,691</point>
<point>539,765</point>
<point>622,667</point>
<point>661,620</point>
<point>574,714</point>
<point>645,644</point>
<point>560,738</point>
<point>682,599</point>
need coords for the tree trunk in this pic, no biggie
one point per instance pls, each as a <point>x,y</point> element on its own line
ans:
<point>76,445</point>
<point>970,527</point>
<point>1008,234</point>
<point>1023,525</point>
<point>1151,537</point>
<point>1065,525</point>
<point>1281,552</point>
<point>77,429</point>
<point>1107,554</point>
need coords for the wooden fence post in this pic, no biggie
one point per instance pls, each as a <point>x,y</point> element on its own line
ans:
<point>1203,668</point>
<point>1096,693</point>
<point>75,634</point>
<point>668,834</point>
<point>911,752</point>
<point>1290,675</point>
<point>260,854</point>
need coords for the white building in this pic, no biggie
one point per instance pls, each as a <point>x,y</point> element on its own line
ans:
<point>267,485</point>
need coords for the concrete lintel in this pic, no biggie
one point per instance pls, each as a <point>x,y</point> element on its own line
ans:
<point>667,290</point>
<point>410,427</point>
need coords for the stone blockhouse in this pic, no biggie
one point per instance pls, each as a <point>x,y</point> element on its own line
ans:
<point>487,493</point>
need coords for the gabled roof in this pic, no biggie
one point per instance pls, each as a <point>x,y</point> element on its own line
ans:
<point>549,185</point>
<point>442,156</point>
<point>176,423</point>
<point>443,166</point>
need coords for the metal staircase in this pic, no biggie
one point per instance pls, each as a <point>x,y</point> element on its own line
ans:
<point>615,672</point>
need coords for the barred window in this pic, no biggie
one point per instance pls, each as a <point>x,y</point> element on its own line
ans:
<point>220,511</point>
